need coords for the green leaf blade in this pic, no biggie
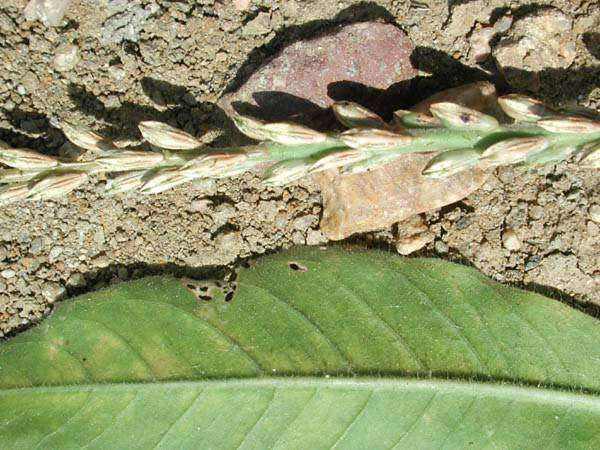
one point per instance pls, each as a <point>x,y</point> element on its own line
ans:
<point>318,349</point>
<point>304,413</point>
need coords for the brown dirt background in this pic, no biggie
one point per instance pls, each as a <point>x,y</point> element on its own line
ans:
<point>187,56</point>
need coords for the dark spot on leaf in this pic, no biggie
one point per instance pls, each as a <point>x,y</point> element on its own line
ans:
<point>466,118</point>
<point>229,296</point>
<point>297,266</point>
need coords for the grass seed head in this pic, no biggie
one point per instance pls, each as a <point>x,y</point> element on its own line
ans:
<point>514,150</point>
<point>369,164</point>
<point>591,157</point>
<point>127,182</point>
<point>523,108</point>
<point>374,139</point>
<point>354,115</point>
<point>13,192</point>
<point>26,159</point>
<point>339,159</point>
<point>162,180</point>
<point>458,117</point>
<point>215,165</point>
<point>288,133</point>
<point>165,136</point>
<point>251,127</point>
<point>56,185</point>
<point>85,138</point>
<point>552,155</point>
<point>127,160</point>
<point>16,175</point>
<point>451,162</point>
<point>415,119</point>
<point>579,125</point>
<point>287,171</point>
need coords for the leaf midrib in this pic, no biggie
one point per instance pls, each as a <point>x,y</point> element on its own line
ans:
<point>547,395</point>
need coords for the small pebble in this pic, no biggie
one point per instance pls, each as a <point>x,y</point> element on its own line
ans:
<point>117,72</point>
<point>510,240</point>
<point>532,262</point>
<point>201,205</point>
<point>8,273</point>
<point>594,213</point>
<point>66,58</point>
<point>241,5</point>
<point>257,26</point>
<point>441,247</point>
<point>50,12</point>
<point>77,280</point>
<point>536,212</point>
<point>53,291</point>
<point>413,243</point>
<point>315,237</point>
<point>101,261</point>
<point>54,253</point>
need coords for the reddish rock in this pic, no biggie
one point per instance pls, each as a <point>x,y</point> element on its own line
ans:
<point>397,190</point>
<point>382,197</point>
<point>298,80</point>
<point>300,83</point>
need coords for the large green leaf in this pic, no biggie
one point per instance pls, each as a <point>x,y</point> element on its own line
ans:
<point>318,349</point>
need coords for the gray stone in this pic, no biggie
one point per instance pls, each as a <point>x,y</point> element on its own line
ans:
<point>66,57</point>
<point>594,213</point>
<point>117,72</point>
<point>441,247</point>
<point>223,213</point>
<point>200,205</point>
<point>55,252</point>
<point>241,5</point>
<point>50,12</point>
<point>127,21</point>
<point>534,43</point>
<point>207,186</point>
<point>532,262</point>
<point>261,24</point>
<point>101,261</point>
<point>8,273</point>
<point>536,212</point>
<point>315,237</point>
<point>53,291</point>
<point>303,223</point>
<point>77,280</point>
<point>36,246</point>
<point>510,240</point>
<point>30,82</point>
